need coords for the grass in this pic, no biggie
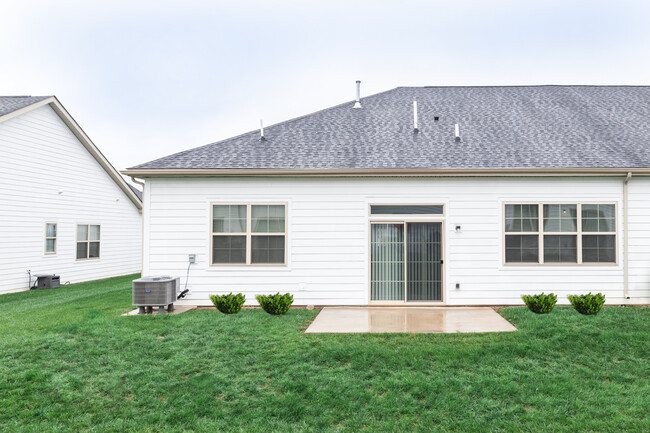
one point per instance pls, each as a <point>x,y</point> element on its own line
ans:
<point>70,363</point>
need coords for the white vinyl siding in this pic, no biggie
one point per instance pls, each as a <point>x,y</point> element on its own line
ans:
<point>47,176</point>
<point>328,236</point>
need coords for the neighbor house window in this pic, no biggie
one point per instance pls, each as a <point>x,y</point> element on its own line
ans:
<point>566,233</point>
<point>88,239</point>
<point>248,234</point>
<point>50,238</point>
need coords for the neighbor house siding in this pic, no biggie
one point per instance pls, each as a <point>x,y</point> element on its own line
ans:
<point>46,175</point>
<point>328,226</point>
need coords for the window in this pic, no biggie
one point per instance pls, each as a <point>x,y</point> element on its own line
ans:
<point>406,210</point>
<point>248,234</point>
<point>523,248</point>
<point>88,241</point>
<point>50,238</point>
<point>599,233</point>
<point>560,233</point>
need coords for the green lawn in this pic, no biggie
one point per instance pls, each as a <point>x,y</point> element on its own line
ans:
<point>71,363</point>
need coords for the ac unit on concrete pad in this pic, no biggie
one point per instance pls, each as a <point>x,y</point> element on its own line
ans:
<point>155,291</point>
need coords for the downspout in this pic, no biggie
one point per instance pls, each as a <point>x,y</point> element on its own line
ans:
<point>142,226</point>
<point>139,183</point>
<point>626,294</point>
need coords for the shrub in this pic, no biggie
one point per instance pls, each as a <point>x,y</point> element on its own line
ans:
<point>228,304</point>
<point>540,304</point>
<point>587,304</point>
<point>275,304</point>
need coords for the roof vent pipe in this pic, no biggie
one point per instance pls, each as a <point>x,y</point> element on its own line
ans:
<point>262,137</point>
<point>415,117</point>
<point>357,103</point>
<point>457,132</point>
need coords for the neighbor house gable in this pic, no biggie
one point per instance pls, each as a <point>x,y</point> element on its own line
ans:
<point>11,107</point>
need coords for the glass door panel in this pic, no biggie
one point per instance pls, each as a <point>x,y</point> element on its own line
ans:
<point>424,264</point>
<point>387,262</point>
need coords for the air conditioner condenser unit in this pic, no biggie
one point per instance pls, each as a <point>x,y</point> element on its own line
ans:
<point>155,291</point>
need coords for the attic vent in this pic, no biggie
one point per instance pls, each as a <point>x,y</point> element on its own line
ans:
<point>357,103</point>
<point>457,132</point>
<point>436,118</point>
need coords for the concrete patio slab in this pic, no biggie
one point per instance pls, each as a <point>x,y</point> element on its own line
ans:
<point>178,309</point>
<point>409,320</point>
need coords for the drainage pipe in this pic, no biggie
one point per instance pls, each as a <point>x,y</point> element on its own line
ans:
<point>626,294</point>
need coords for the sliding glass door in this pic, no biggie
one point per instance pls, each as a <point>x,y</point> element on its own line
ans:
<point>406,262</point>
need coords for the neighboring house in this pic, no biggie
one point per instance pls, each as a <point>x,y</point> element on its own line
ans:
<point>500,191</point>
<point>63,208</point>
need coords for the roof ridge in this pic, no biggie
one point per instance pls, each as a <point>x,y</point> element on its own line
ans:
<point>521,85</point>
<point>25,96</point>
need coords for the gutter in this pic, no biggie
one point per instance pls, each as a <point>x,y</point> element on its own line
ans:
<point>626,282</point>
<point>378,172</point>
<point>139,183</point>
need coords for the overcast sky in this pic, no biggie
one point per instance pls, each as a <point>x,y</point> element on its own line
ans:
<point>149,78</point>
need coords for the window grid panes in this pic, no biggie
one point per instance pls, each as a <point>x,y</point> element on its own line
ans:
<point>88,241</point>
<point>50,238</point>
<point>260,234</point>
<point>560,218</point>
<point>599,233</point>
<point>522,218</point>
<point>560,233</point>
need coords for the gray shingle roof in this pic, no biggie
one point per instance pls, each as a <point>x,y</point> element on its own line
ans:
<point>500,127</point>
<point>13,103</point>
<point>136,191</point>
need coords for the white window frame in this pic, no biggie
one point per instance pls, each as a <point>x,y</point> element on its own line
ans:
<point>249,234</point>
<point>88,241</point>
<point>55,238</point>
<point>540,233</point>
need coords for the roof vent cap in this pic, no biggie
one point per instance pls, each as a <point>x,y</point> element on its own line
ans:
<point>415,117</point>
<point>262,137</point>
<point>357,103</point>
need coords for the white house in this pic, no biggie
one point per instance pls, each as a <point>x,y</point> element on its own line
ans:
<point>416,196</point>
<point>64,209</point>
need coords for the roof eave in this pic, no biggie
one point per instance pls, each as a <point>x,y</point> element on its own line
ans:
<point>378,172</point>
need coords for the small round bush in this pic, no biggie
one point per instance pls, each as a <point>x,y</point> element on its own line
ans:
<point>275,304</point>
<point>228,304</point>
<point>540,304</point>
<point>587,304</point>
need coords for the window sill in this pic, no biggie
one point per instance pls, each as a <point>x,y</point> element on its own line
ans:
<point>563,265</point>
<point>248,268</point>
